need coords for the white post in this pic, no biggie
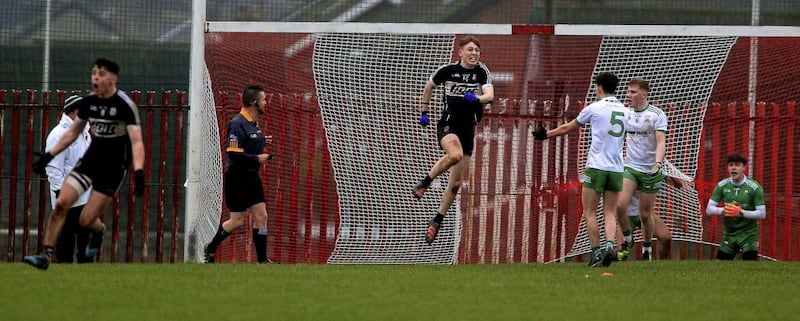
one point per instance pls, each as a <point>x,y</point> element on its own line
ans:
<point>46,50</point>
<point>196,89</point>
<point>752,82</point>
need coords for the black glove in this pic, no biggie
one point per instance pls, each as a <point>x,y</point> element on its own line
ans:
<point>40,164</point>
<point>138,183</point>
<point>540,134</point>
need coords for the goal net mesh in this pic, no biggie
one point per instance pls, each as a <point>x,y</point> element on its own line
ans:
<point>343,112</point>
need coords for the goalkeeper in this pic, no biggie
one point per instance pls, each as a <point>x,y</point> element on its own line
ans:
<point>743,200</point>
<point>467,86</point>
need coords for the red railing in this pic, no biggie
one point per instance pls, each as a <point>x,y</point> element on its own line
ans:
<point>31,116</point>
<point>303,161</point>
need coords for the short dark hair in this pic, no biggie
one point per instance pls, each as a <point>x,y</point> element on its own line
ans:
<point>109,64</point>
<point>607,81</point>
<point>467,39</point>
<point>736,158</point>
<point>641,83</point>
<point>250,95</point>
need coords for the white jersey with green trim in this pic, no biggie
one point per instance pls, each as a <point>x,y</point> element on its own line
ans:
<point>641,128</point>
<point>607,118</point>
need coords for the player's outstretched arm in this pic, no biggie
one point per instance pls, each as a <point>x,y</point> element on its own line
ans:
<point>68,137</point>
<point>564,129</point>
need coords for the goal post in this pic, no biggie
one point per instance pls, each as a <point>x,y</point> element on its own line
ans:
<point>350,150</point>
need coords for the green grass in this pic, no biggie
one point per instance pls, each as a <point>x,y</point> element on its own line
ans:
<point>661,290</point>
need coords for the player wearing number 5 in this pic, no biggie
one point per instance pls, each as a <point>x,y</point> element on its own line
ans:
<point>604,167</point>
<point>467,86</point>
<point>743,199</point>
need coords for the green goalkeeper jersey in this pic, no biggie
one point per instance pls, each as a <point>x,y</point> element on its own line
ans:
<point>747,194</point>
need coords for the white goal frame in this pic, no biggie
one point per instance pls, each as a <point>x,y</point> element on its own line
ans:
<point>200,26</point>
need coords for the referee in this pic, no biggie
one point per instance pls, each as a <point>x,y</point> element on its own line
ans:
<point>243,189</point>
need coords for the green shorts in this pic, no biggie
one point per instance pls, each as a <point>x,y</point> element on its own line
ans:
<point>636,222</point>
<point>645,182</point>
<point>746,242</point>
<point>601,181</point>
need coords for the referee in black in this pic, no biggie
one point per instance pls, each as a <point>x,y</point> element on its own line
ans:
<point>243,189</point>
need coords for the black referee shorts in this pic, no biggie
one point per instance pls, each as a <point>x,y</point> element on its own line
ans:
<point>465,133</point>
<point>242,189</point>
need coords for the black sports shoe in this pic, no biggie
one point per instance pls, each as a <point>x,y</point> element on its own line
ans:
<point>607,256</point>
<point>597,259</point>
<point>646,256</point>
<point>421,187</point>
<point>433,230</point>
<point>95,242</point>
<point>268,261</point>
<point>209,257</point>
<point>39,261</point>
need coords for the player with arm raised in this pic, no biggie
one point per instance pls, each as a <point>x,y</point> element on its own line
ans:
<point>467,87</point>
<point>743,200</point>
<point>646,132</point>
<point>603,173</point>
<point>116,144</point>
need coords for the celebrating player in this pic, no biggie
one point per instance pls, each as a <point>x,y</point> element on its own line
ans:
<point>116,143</point>
<point>467,87</point>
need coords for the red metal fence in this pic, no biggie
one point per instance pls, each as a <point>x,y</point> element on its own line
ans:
<point>302,193</point>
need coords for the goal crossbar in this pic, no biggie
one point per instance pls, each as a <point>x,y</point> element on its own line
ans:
<point>503,29</point>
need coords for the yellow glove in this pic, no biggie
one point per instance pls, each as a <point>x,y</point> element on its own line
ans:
<point>732,210</point>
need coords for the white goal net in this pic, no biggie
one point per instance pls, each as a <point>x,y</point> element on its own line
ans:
<point>344,114</point>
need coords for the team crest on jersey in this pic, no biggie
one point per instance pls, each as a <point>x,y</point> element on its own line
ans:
<point>254,135</point>
<point>647,119</point>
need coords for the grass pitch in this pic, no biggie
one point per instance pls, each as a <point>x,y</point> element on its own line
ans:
<point>659,290</point>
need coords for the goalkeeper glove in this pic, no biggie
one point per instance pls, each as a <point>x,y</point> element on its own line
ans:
<point>41,163</point>
<point>540,134</point>
<point>423,119</point>
<point>138,183</point>
<point>470,97</point>
<point>656,168</point>
<point>732,210</point>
